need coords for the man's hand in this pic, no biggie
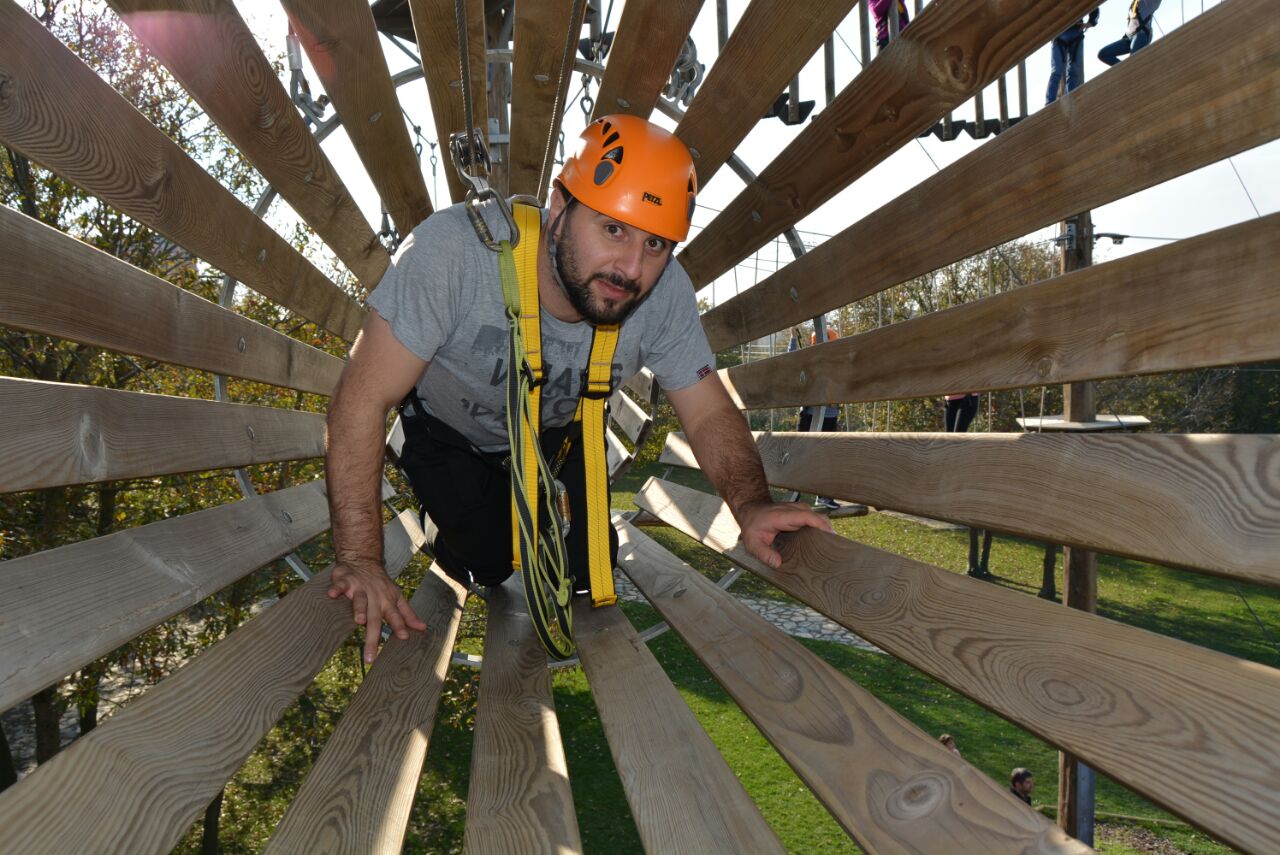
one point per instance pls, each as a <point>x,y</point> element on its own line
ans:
<point>761,522</point>
<point>372,592</point>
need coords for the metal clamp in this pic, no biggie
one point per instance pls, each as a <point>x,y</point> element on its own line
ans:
<point>469,152</point>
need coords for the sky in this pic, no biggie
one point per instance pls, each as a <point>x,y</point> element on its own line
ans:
<point>1201,201</point>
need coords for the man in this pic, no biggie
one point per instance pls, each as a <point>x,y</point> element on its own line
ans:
<point>438,330</point>
<point>1067,56</point>
<point>1137,32</point>
<point>1021,783</point>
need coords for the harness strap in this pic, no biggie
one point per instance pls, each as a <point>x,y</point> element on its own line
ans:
<point>592,406</point>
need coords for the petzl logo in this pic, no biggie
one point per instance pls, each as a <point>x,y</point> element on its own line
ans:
<point>649,197</point>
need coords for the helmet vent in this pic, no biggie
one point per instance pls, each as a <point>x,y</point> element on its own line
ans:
<point>606,128</point>
<point>604,171</point>
<point>614,154</point>
<point>613,138</point>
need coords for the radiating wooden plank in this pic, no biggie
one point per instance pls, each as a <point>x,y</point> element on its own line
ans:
<point>63,607</point>
<point>208,47</point>
<point>358,795</point>
<point>771,43</point>
<point>52,283</point>
<point>139,780</point>
<point>541,30</point>
<point>1205,301</point>
<point>436,29</point>
<point>645,385</point>
<point>1205,501</point>
<point>1199,106</point>
<point>60,114</point>
<point>59,433</point>
<point>892,787</point>
<point>343,46</point>
<point>645,48</point>
<point>519,799</point>
<point>1191,729</point>
<point>683,795</point>
<point>617,458</point>
<point>630,417</point>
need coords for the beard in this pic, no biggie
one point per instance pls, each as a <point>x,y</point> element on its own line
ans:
<point>596,309</point>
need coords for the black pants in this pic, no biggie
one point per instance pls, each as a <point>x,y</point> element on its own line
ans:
<point>466,495</point>
<point>828,422</point>
<point>960,413</point>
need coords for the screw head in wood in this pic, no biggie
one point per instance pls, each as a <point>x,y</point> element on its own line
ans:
<point>542,78</point>
<point>755,217</point>
<point>286,516</point>
<point>795,295</point>
<point>804,378</point>
<point>624,103</point>
<point>375,117</point>
<point>241,345</point>
<point>248,430</point>
<point>262,256</point>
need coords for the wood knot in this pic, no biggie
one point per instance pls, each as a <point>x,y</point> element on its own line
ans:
<point>844,140</point>
<point>1044,365</point>
<point>917,797</point>
<point>959,69</point>
<point>6,88</point>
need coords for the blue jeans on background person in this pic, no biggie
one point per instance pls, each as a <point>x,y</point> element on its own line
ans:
<point>1066,57</point>
<point>1125,44</point>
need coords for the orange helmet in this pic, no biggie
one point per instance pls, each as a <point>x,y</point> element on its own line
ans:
<point>632,170</point>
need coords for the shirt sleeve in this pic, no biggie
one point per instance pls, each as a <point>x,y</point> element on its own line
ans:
<point>677,351</point>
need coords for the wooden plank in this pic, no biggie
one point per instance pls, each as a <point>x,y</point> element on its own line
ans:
<point>437,33</point>
<point>139,780</point>
<point>1205,301</point>
<point>342,44</point>
<point>64,607</point>
<point>1199,106</point>
<point>58,433</point>
<point>53,284</point>
<point>1191,729</point>
<point>892,787</point>
<point>540,33</point>
<point>60,114</point>
<point>208,47</point>
<point>630,417</point>
<point>946,57</point>
<point>617,458</point>
<point>645,386</point>
<point>683,795</point>
<point>1205,501</point>
<point>358,795</point>
<point>772,42</point>
<point>645,48</point>
<point>519,799</point>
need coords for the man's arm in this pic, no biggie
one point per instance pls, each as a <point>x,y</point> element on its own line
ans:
<point>378,374</point>
<point>727,453</point>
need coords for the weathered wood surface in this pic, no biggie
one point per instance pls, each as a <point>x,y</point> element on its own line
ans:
<point>892,787</point>
<point>436,30</point>
<point>683,796</point>
<point>52,283</point>
<point>358,796</point>
<point>1199,105</point>
<point>645,385</point>
<point>1204,301</point>
<point>64,607</point>
<point>648,42</point>
<point>58,433</point>
<point>60,114</point>
<point>630,417</point>
<point>209,48</point>
<point>344,48</point>
<point>617,458</point>
<point>1188,728</point>
<point>1205,501</point>
<point>540,33</point>
<point>771,43</point>
<point>139,780</point>
<point>519,799</point>
<point>946,56</point>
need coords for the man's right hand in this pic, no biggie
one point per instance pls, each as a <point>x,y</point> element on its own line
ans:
<point>372,592</point>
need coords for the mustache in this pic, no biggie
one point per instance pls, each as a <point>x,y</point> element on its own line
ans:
<point>619,281</point>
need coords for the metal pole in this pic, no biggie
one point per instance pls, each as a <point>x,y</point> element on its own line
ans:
<point>864,28</point>
<point>722,22</point>
<point>829,67</point>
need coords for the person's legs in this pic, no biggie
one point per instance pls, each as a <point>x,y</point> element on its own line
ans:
<point>1111,53</point>
<point>806,420</point>
<point>1141,39</point>
<point>1074,54</point>
<point>1057,61</point>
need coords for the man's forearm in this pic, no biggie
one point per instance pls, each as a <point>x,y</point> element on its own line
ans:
<point>353,467</point>
<point>727,453</point>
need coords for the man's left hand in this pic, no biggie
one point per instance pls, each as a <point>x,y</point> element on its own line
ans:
<point>761,522</point>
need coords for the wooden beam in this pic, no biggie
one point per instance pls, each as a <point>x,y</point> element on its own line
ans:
<point>541,30</point>
<point>1210,502</point>
<point>647,44</point>
<point>891,787</point>
<point>772,42</point>
<point>1188,728</point>
<point>60,114</point>
<point>58,433</point>
<point>342,43</point>
<point>140,779</point>
<point>209,48</point>
<point>630,417</point>
<point>645,386</point>
<point>683,795</point>
<point>617,458</point>
<point>1204,301</point>
<point>437,33</point>
<point>53,284</point>
<point>64,607</point>
<point>1199,105</point>
<point>362,788</point>
<point>942,60</point>
<point>519,799</point>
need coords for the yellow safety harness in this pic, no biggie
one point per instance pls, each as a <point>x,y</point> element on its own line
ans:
<point>533,485</point>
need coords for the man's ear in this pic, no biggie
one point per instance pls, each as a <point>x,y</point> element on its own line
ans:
<point>555,201</point>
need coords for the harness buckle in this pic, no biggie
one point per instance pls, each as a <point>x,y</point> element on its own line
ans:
<point>595,391</point>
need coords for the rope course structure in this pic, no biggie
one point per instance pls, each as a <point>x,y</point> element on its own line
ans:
<point>1190,729</point>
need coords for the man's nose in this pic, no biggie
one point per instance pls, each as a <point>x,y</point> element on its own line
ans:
<point>630,260</point>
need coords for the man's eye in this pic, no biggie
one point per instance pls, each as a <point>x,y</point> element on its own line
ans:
<point>613,229</point>
<point>657,244</point>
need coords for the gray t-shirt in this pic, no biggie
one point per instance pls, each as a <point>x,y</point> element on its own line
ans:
<point>442,297</point>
